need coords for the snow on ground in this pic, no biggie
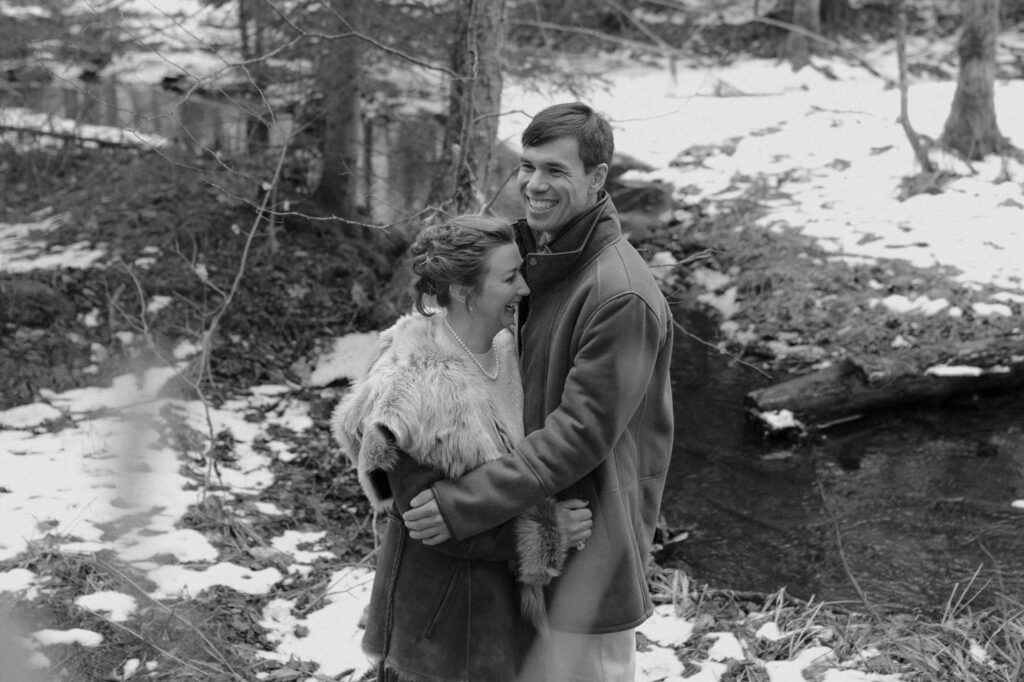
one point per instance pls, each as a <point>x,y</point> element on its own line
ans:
<point>837,145</point>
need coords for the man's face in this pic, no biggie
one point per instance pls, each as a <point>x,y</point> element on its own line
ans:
<point>554,186</point>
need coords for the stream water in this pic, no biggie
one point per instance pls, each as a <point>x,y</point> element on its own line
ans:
<point>909,506</point>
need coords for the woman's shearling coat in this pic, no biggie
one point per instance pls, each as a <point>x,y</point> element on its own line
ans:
<point>423,413</point>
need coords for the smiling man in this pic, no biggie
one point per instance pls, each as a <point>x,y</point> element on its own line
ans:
<point>596,336</point>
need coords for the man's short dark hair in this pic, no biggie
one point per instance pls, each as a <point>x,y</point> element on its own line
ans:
<point>576,120</point>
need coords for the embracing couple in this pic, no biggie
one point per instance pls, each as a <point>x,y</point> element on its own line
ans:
<point>518,428</point>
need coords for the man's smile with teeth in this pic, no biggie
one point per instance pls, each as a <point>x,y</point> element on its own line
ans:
<point>542,204</point>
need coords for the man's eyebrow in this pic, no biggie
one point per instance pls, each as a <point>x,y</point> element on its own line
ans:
<point>555,163</point>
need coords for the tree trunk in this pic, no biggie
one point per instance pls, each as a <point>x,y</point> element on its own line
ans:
<point>258,131</point>
<point>836,13</point>
<point>806,19</point>
<point>473,105</point>
<point>339,78</point>
<point>971,128</point>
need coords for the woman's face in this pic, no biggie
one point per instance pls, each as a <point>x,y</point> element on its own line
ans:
<point>503,287</point>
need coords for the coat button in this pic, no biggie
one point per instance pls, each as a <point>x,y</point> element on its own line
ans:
<point>533,261</point>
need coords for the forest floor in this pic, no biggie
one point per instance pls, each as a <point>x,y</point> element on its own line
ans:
<point>170,235</point>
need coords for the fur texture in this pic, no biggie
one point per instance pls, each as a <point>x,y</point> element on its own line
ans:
<point>539,547</point>
<point>421,392</point>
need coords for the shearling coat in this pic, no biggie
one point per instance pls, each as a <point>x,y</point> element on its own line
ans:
<point>424,412</point>
<point>597,345</point>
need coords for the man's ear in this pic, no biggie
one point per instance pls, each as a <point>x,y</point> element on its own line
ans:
<point>600,175</point>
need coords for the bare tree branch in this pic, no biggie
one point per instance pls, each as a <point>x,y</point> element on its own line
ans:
<point>365,38</point>
<point>826,41</point>
<point>901,57</point>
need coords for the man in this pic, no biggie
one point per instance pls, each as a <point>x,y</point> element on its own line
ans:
<point>597,341</point>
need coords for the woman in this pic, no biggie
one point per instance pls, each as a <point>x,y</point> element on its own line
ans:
<point>443,397</point>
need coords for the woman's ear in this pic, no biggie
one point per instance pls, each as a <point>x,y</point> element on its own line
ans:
<point>457,292</point>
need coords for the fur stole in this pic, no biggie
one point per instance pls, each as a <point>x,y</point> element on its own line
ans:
<point>422,397</point>
<point>420,392</point>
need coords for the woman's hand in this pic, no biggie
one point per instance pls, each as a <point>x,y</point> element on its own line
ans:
<point>575,521</point>
<point>424,520</point>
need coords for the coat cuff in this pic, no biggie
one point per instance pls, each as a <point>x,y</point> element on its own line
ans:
<point>540,545</point>
<point>378,454</point>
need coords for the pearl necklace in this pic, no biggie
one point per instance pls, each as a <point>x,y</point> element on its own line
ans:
<point>472,355</point>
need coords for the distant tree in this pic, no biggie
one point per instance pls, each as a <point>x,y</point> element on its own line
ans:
<point>806,23</point>
<point>474,100</point>
<point>971,128</point>
<point>339,78</point>
<point>253,24</point>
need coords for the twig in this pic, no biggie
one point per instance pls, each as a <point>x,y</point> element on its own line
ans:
<point>240,272</point>
<point>214,650</point>
<point>822,39</point>
<point>202,669</point>
<point>487,207</point>
<point>720,351</point>
<point>842,553</point>
<point>360,36</point>
<point>901,57</point>
<point>592,33</point>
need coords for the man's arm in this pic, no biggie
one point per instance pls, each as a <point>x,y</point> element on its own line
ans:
<point>604,389</point>
<point>495,544</point>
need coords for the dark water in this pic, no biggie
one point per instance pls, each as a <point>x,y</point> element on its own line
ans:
<point>920,498</point>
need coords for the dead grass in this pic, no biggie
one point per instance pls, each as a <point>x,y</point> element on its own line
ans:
<point>963,645</point>
<point>203,638</point>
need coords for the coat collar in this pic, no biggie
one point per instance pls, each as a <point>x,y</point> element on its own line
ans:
<point>573,247</point>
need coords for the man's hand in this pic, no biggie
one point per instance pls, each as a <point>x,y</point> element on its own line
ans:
<point>424,519</point>
<point>576,522</point>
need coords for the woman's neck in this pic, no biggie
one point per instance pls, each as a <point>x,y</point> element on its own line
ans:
<point>477,338</point>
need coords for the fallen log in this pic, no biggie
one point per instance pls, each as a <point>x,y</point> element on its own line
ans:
<point>28,303</point>
<point>855,386</point>
<point>125,140</point>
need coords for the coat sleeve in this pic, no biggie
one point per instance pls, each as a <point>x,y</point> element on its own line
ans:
<point>407,477</point>
<point>579,434</point>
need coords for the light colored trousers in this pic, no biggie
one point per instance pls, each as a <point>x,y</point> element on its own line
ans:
<point>570,657</point>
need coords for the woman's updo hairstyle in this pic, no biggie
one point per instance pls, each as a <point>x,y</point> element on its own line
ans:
<point>455,253</point>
